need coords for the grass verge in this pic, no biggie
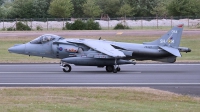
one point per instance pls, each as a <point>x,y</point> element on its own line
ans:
<point>94,100</point>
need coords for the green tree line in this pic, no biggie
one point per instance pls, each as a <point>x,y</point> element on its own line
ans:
<point>94,8</point>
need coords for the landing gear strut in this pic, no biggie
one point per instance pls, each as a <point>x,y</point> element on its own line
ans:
<point>111,68</point>
<point>65,67</point>
<point>116,67</point>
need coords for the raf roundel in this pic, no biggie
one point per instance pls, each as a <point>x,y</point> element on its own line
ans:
<point>60,48</point>
<point>170,40</point>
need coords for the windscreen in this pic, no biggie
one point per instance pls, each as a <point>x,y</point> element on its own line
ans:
<point>42,39</point>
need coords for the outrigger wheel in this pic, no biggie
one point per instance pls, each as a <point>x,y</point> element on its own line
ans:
<point>118,68</point>
<point>115,70</point>
<point>111,68</point>
<point>67,68</point>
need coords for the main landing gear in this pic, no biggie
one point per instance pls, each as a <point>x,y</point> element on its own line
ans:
<point>111,68</point>
<point>65,67</point>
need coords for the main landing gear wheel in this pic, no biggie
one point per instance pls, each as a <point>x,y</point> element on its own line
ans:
<point>67,68</point>
<point>109,68</point>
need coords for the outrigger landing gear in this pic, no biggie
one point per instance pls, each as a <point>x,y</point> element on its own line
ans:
<point>113,68</point>
<point>65,67</point>
<point>116,67</point>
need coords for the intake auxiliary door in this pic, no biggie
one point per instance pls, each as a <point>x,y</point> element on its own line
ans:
<point>55,49</point>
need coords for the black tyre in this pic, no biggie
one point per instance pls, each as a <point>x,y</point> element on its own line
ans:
<point>115,71</point>
<point>118,69</point>
<point>110,68</point>
<point>67,68</point>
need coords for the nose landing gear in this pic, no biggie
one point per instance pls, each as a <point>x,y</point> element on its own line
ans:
<point>65,67</point>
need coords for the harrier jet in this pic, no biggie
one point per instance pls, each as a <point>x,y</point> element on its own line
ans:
<point>103,53</point>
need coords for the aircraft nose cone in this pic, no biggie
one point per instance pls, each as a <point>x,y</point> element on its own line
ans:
<point>19,49</point>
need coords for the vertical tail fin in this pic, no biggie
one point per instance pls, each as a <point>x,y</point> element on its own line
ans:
<point>171,38</point>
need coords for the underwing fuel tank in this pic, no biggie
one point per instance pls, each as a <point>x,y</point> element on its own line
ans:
<point>84,61</point>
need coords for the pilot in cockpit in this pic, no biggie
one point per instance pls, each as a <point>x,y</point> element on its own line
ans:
<point>43,39</point>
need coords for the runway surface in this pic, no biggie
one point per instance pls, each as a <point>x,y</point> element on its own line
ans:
<point>178,78</point>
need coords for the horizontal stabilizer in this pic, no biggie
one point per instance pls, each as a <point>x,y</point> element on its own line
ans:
<point>171,50</point>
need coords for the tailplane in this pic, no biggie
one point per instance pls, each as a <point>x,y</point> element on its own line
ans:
<point>171,50</point>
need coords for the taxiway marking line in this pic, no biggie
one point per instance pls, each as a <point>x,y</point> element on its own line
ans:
<point>123,84</point>
<point>120,65</point>
<point>29,72</point>
<point>170,64</point>
<point>44,72</point>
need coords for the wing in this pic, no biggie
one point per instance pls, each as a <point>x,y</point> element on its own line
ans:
<point>105,48</point>
<point>102,47</point>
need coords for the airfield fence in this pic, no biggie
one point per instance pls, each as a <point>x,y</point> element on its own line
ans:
<point>105,23</point>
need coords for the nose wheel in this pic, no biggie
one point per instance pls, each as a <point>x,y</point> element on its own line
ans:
<point>65,67</point>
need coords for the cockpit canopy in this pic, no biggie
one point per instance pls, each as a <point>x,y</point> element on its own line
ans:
<point>45,38</point>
